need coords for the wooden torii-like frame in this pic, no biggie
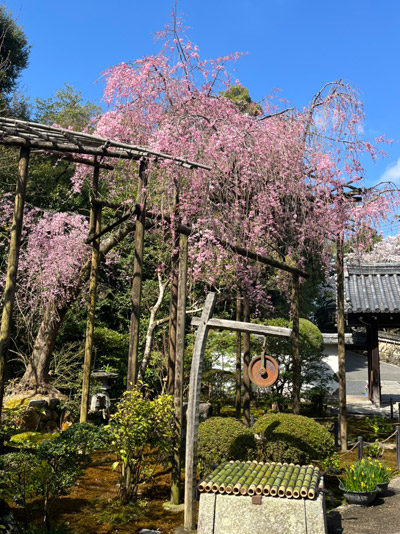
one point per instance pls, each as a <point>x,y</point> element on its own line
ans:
<point>204,323</point>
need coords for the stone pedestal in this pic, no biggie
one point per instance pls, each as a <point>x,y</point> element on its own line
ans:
<point>220,514</point>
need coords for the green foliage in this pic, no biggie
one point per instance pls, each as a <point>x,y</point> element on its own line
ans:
<point>375,449</point>
<point>292,438</point>
<point>52,467</point>
<point>240,96</point>
<point>30,439</point>
<point>364,475</point>
<point>379,470</point>
<point>332,461</point>
<point>17,476</point>
<point>224,438</point>
<point>111,349</point>
<point>138,428</point>
<point>314,377</point>
<point>14,51</point>
<point>379,425</point>
<point>219,360</point>
<point>66,108</point>
<point>83,438</point>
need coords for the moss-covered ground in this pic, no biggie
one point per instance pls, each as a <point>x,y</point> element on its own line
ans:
<point>92,506</point>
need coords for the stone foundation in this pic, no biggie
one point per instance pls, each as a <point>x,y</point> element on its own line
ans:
<point>223,514</point>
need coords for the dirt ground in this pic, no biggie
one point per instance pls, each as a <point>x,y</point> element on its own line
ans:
<point>91,507</point>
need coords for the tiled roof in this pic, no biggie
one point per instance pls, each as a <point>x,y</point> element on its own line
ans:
<point>259,478</point>
<point>372,288</point>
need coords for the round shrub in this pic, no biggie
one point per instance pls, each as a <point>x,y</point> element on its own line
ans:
<point>222,439</point>
<point>292,438</point>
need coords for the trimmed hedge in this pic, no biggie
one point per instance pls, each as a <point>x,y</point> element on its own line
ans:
<point>222,439</point>
<point>292,438</point>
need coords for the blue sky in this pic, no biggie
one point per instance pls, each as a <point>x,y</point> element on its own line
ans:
<point>293,45</point>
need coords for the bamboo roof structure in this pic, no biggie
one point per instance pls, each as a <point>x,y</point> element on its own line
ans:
<point>259,478</point>
<point>59,141</point>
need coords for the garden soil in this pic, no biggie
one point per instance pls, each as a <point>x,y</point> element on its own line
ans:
<point>381,517</point>
<point>92,506</point>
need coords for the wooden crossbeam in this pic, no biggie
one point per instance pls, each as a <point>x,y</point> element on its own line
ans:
<point>238,326</point>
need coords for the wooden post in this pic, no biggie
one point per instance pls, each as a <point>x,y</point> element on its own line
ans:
<point>246,363</point>
<point>296,364</point>
<point>193,412</point>
<point>341,344</point>
<point>173,314</point>
<point>398,447</point>
<point>173,303</point>
<point>137,279</point>
<point>375,381</point>
<point>179,369</point>
<point>94,229</point>
<point>336,432</point>
<point>12,266</point>
<point>360,447</point>
<point>238,375</point>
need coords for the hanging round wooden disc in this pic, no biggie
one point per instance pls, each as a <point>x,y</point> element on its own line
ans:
<point>263,377</point>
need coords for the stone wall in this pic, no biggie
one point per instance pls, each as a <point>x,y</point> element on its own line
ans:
<point>389,352</point>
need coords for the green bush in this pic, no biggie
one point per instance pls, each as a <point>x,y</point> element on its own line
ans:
<point>292,438</point>
<point>222,439</point>
<point>137,424</point>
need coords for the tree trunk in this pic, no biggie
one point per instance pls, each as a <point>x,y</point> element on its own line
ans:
<point>133,353</point>
<point>246,363</point>
<point>36,374</point>
<point>152,326</point>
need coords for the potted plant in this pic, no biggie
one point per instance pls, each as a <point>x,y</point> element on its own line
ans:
<point>380,473</point>
<point>358,483</point>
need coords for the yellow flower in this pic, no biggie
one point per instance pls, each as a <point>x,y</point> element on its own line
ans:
<point>354,478</point>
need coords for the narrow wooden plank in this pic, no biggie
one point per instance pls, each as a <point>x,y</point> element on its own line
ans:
<point>95,227</point>
<point>193,411</point>
<point>296,363</point>
<point>252,328</point>
<point>246,364</point>
<point>341,343</point>
<point>179,369</point>
<point>12,266</point>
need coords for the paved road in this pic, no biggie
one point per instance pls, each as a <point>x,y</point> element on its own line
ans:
<point>382,517</point>
<point>357,374</point>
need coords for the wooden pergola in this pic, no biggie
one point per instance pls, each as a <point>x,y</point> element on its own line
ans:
<point>102,153</point>
<point>99,153</point>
